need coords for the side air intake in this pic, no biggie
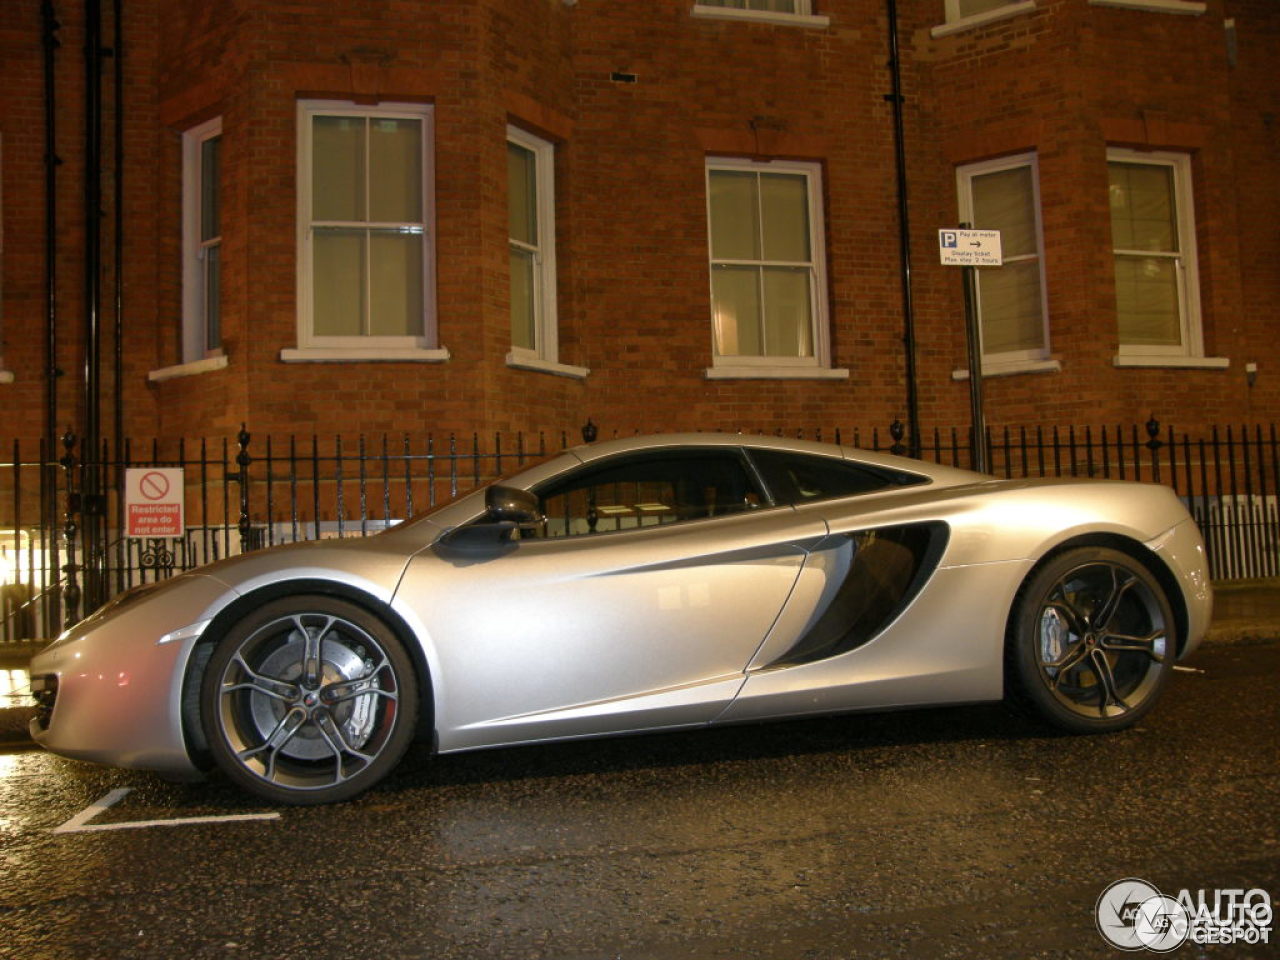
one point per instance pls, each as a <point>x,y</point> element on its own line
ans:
<point>889,567</point>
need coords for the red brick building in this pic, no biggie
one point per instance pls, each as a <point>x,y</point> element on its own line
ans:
<point>386,215</point>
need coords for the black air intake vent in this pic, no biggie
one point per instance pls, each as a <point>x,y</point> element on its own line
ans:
<point>889,567</point>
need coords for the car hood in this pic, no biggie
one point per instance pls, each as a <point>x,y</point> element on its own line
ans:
<point>374,563</point>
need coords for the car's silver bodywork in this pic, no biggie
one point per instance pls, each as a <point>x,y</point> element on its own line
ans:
<point>662,627</point>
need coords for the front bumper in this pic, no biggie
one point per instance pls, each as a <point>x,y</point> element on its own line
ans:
<point>110,690</point>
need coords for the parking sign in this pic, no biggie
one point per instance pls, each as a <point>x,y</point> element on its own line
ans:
<point>970,248</point>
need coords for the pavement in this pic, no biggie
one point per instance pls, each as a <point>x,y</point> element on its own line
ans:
<point>1244,611</point>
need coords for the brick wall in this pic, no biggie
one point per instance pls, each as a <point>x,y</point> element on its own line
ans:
<point>1066,81</point>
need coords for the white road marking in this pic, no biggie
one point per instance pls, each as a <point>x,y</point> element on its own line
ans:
<point>80,822</point>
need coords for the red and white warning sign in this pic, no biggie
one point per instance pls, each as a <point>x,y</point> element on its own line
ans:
<point>153,502</point>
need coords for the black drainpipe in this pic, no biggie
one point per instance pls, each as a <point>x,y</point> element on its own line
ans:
<point>49,27</point>
<point>904,234</point>
<point>91,490</point>
<point>117,52</point>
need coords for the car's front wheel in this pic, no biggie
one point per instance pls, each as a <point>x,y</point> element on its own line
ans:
<point>310,699</point>
<point>1092,641</point>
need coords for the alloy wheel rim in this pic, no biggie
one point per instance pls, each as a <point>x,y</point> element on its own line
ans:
<point>1102,640</point>
<point>308,701</point>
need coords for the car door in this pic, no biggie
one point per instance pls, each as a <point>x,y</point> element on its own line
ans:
<point>637,606</point>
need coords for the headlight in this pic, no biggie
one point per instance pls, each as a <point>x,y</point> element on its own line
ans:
<point>111,608</point>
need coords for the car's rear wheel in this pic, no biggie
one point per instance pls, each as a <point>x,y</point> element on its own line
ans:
<point>1092,641</point>
<point>309,699</point>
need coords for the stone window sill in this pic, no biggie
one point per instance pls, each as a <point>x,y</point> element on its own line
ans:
<point>539,365</point>
<point>1191,8</point>
<point>1010,367</point>
<point>1194,363</point>
<point>364,355</point>
<point>188,369</point>
<point>746,372</point>
<point>813,21</point>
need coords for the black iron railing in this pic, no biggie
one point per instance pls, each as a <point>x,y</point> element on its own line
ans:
<point>244,493</point>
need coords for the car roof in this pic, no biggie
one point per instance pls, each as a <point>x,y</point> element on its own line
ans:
<point>462,509</point>
<point>639,444</point>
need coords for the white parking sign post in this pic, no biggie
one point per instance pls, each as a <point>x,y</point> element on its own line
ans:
<point>153,501</point>
<point>970,249</point>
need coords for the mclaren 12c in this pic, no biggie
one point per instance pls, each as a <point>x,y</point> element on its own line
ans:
<point>655,583</point>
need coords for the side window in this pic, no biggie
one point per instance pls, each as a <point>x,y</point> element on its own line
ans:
<point>647,491</point>
<point>364,228</point>
<point>1153,238</point>
<point>1013,312</point>
<point>531,234</point>
<point>768,269</point>
<point>797,478</point>
<point>201,241</point>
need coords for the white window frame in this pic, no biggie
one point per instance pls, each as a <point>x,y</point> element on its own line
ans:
<point>1009,361</point>
<point>819,365</point>
<point>195,320</point>
<point>956,22</point>
<point>545,354</point>
<point>1191,351</point>
<point>803,16</point>
<point>422,347</point>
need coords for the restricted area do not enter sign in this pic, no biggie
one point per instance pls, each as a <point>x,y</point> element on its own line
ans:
<point>153,502</point>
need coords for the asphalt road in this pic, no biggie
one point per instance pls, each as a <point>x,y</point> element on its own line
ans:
<point>946,833</point>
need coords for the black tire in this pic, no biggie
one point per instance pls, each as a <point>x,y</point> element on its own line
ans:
<point>308,700</point>
<point>1092,641</point>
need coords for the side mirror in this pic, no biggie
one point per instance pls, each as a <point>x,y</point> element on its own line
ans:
<point>505,509</point>
<point>509,505</point>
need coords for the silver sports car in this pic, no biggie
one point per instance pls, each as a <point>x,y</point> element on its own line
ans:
<point>636,585</point>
